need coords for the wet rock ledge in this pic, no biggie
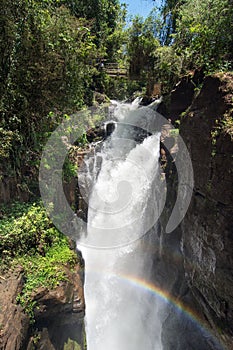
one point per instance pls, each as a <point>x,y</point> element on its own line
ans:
<point>58,314</point>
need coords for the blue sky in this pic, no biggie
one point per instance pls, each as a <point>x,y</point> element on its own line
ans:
<point>140,7</point>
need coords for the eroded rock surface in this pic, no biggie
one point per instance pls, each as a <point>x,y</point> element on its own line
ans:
<point>14,323</point>
<point>200,273</point>
<point>58,313</point>
<point>207,230</point>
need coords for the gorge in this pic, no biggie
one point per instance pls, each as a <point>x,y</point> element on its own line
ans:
<point>186,298</point>
<point>116,217</point>
<point>166,269</point>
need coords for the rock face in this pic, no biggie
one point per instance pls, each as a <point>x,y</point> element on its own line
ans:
<point>58,314</point>
<point>207,228</point>
<point>181,97</point>
<point>204,240</point>
<point>14,188</point>
<point>14,323</point>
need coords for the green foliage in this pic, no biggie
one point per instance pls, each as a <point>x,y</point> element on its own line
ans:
<point>224,125</point>
<point>50,53</point>
<point>44,271</point>
<point>6,140</point>
<point>167,67</point>
<point>182,36</point>
<point>28,238</point>
<point>48,66</point>
<point>174,132</point>
<point>228,123</point>
<point>71,345</point>
<point>122,88</point>
<point>26,230</point>
<point>170,14</point>
<point>103,14</point>
<point>204,34</point>
<point>141,46</point>
<point>69,169</point>
<point>148,59</point>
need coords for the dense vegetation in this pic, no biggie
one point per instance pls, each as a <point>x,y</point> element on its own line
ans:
<point>179,37</point>
<point>28,239</point>
<point>50,53</point>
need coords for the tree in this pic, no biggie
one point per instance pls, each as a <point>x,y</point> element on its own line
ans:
<point>169,12</point>
<point>140,47</point>
<point>204,33</point>
<point>102,13</point>
<point>48,53</point>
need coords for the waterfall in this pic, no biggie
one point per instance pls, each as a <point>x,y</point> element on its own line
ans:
<point>136,294</point>
<point>124,204</point>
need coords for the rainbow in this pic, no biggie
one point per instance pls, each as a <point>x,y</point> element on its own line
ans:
<point>162,294</point>
<point>168,299</point>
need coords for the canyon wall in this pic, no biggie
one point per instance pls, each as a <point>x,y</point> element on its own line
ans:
<point>202,276</point>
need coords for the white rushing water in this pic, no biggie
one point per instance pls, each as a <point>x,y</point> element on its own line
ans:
<point>123,207</point>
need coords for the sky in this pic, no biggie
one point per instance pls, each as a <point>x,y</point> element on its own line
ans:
<point>140,7</point>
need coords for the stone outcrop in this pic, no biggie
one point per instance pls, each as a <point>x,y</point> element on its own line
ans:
<point>203,276</point>
<point>14,324</point>
<point>181,96</point>
<point>58,313</point>
<point>12,187</point>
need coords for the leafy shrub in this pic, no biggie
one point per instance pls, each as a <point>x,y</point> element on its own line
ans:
<point>203,34</point>
<point>25,230</point>
<point>167,67</point>
<point>46,271</point>
<point>71,345</point>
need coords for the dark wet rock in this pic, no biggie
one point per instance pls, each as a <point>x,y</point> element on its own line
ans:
<point>197,255</point>
<point>100,98</point>
<point>95,134</point>
<point>22,189</point>
<point>40,341</point>
<point>58,313</point>
<point>207,227</point>
<point>146,100</point>
<point>61,300</point>
<point>109,128</point>
<point>14,323</point>
<point>181,96</point>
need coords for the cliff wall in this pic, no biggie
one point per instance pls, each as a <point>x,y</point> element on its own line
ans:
<point>204,240</point>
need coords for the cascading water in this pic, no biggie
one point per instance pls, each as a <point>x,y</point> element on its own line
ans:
<point>131,267</point>
<point>121,231</point>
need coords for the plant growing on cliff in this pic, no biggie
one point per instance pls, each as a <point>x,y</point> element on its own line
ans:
<point>225,126</point>
<point>44,271</point>
<point>228,123</point>
<point>72,345</point>
<point>28,239</point>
